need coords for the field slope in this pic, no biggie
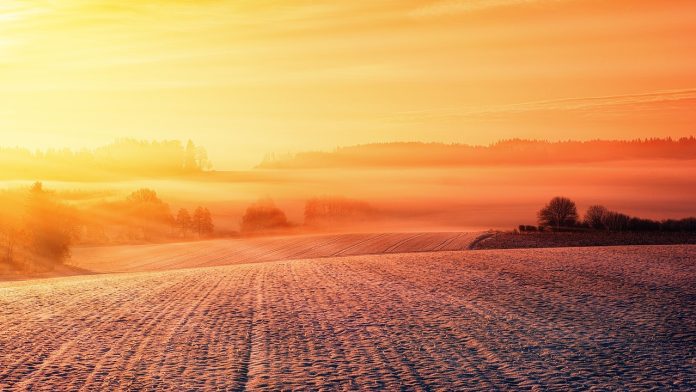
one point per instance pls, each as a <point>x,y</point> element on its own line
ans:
<point>572,318</point>
<point>157,257</point>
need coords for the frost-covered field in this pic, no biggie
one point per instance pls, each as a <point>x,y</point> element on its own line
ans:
<point>571,318</point>
<point>153,257</point>
<point>508,240</point>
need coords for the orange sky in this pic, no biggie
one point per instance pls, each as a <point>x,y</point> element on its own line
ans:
<point>248,77</point>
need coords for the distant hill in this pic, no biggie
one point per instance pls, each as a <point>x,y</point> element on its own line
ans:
<point>507,152</point>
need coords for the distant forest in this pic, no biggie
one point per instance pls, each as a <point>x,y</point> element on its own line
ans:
<point>507,152</point>
<point>125,158</point>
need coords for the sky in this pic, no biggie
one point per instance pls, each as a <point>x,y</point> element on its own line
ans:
<point>246,78</point>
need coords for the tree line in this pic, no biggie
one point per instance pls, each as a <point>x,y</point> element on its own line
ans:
<point>122,158</point>
<point>38,229</point>
<point>561,213</point>
<point>505,152</point>
<point>319,213</point>
<point>144,216</point>
<point>199,223</point>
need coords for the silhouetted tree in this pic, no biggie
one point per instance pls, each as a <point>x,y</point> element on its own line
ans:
<point>559,212</point>
<point>202,222</point>
<point>616,221</point>
<point>641,224</point>
<point>594,217</point>
<point>688,224</point>
<point>183,221</point>
<point>679,225</point>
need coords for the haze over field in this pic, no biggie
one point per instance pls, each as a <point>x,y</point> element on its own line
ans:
<point>355,88</point>
<point>408,186</point>
<point>416,195</point>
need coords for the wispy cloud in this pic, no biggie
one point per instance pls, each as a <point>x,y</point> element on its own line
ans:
<point>598,103</point>
<point>14,12</point>
<point>448,7</point>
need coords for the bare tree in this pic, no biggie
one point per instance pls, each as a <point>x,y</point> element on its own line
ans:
<point>616,221</point>
<point>559,212</point>
<point>594,217</point>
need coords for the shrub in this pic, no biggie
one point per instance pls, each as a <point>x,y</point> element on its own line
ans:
<point>264,216</point>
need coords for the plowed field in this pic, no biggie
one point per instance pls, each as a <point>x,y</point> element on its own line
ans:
<point>129,258</point>
<point>572,318</point>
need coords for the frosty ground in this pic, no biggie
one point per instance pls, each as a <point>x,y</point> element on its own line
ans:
<point>355,312</point>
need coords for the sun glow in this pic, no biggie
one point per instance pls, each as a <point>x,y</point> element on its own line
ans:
<point>260,77</point>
